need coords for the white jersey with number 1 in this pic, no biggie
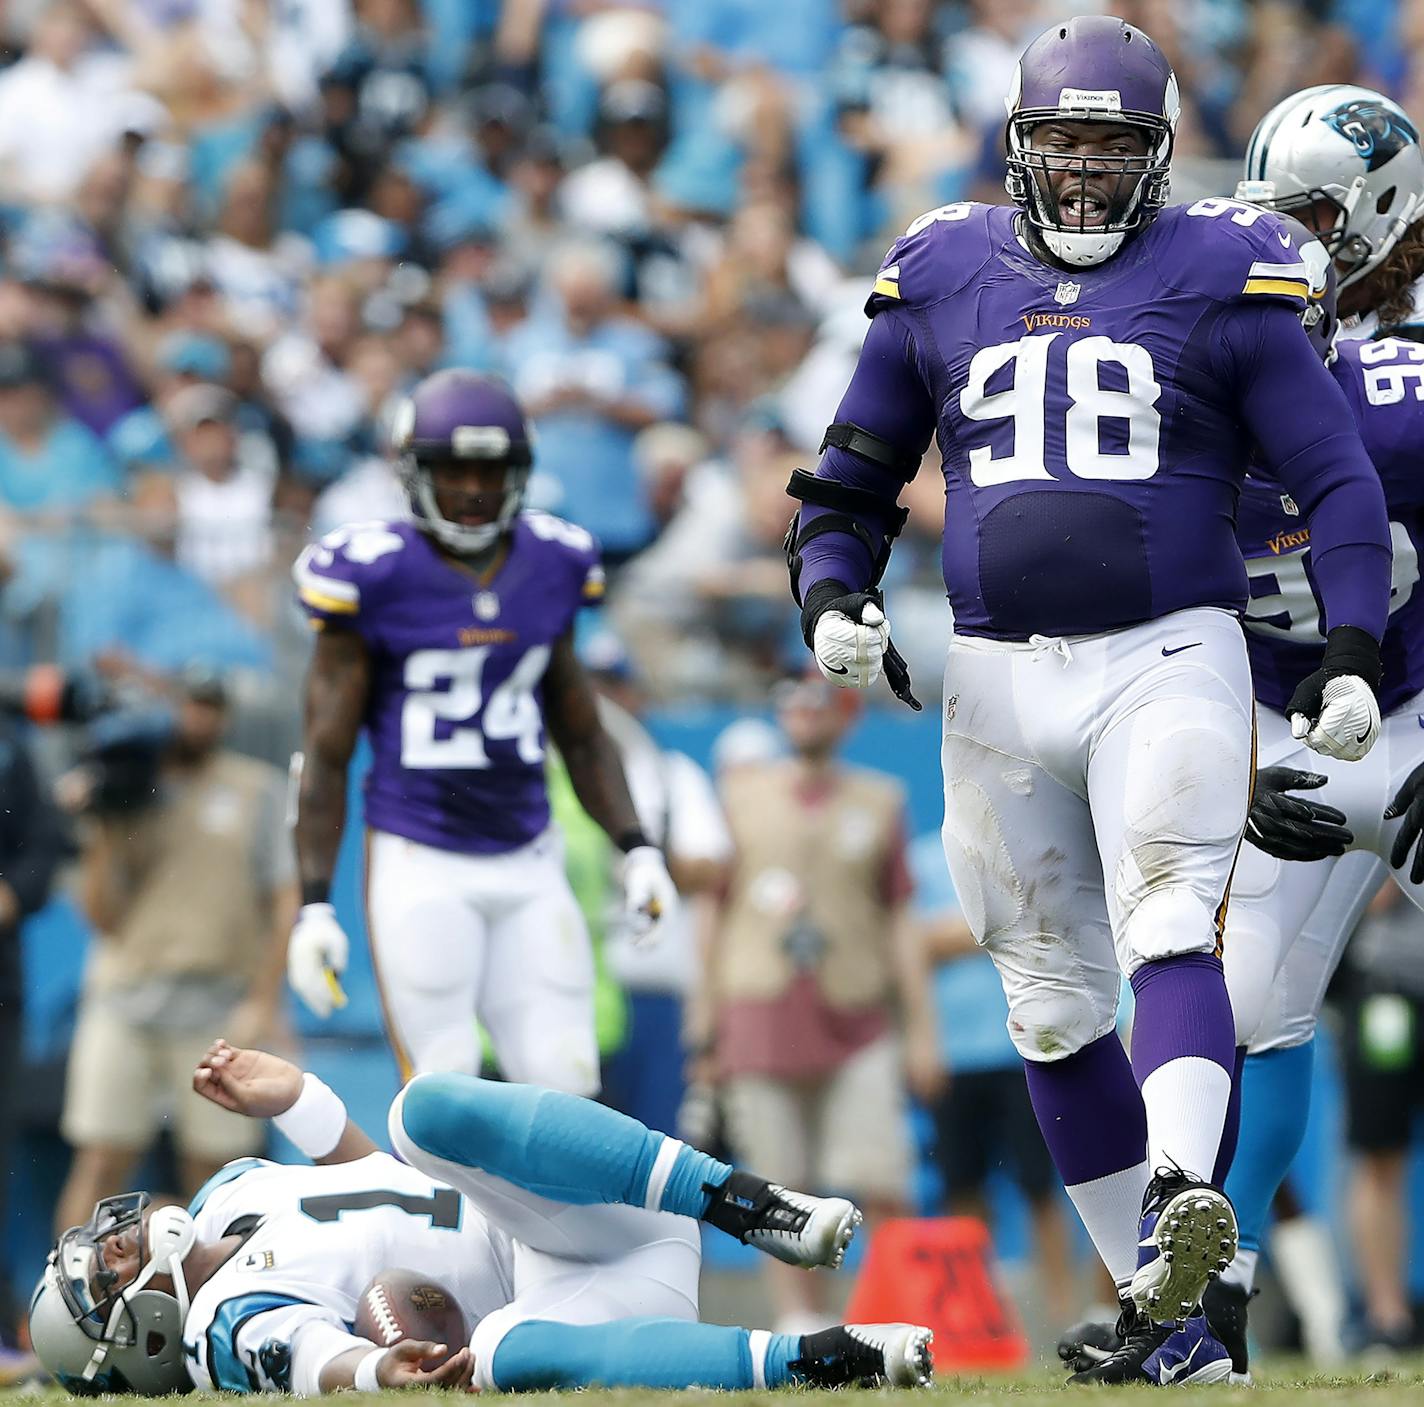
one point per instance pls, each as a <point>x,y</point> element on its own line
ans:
<point>278,1310</point>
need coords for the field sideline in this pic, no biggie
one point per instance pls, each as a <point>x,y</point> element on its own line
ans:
<point>1401,1385</point>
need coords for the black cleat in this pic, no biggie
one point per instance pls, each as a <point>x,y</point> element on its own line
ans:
<point>1088,1343</point>
<point>792,1226</point>
<point>1164,1355</point>
<point>867,1355</point>
<point>1225,1308</point>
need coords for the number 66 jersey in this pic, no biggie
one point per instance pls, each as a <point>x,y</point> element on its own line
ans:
<point>1096,424</point>
<point>455,714</point>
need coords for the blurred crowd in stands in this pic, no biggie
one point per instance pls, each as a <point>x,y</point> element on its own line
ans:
<point>233,233</point>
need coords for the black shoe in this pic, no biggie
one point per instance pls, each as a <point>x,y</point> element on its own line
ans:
<point>792,1226</point>
<point>1225,1308</point>
<point>1087,1343</point>
<point>1162,1354</point>
<point>1383,1347</point>
<point>868,1355</point>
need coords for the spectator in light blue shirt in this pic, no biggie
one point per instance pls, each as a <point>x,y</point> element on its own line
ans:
<point>48,461</point>
<point>984,1121</point>
<point>140,440</point>
<point>591,380</point>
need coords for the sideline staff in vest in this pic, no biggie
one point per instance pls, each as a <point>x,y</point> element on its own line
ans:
<point>812,962</point>
<point>190,898</point>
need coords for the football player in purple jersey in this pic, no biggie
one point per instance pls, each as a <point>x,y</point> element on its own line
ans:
<point>448,640</point>
<point>1096,365</point>
<point>1316,859</point>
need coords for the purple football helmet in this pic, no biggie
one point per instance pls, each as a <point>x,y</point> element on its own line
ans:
<point>456,416</point>
<point>1319,317</point>
<point>1092,68</point>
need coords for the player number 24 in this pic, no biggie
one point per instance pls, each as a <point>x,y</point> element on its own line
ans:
<point>446,686</point>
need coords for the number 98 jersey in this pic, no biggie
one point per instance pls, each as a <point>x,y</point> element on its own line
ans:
<point>1088,419</point>
<point>1383,382</point>
<point>455,713</point>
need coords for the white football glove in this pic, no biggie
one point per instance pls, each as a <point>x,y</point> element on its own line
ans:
<point>1349,720</point>
<point>850,654</point>
<point>649,894</point>
<point>317,953</point>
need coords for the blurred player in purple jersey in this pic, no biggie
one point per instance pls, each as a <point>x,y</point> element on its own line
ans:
<point>1096,366</point>
<point>448,639</point>
<point>1350,159</point>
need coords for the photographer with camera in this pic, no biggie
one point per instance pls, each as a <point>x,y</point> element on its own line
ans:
<point>32,843</point>
<point>188,880</point>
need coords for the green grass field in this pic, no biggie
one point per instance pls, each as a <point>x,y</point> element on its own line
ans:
<point>1280,1383</point>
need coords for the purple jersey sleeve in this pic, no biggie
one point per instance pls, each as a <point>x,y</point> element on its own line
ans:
<point>577,553</point>
<point>1302,425</point>
<point>889,394</point>
<point>1233,252</point>
<point>339,578</point>
<point>888,397</point>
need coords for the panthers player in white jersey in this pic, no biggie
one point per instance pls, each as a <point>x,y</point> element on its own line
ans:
<point>566,1232</point>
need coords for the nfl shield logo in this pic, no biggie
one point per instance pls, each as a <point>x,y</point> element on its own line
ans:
<point>1291,507</point>
<point>486,605</point>
<point>1068,292</point>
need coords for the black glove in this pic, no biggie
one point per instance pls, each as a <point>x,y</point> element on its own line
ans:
<point>1348,650</point>
<point>832,596</point>
<point>1409,803</point>
<point>1293,827</point>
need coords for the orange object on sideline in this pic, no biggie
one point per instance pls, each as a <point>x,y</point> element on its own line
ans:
<point>940,1272</point>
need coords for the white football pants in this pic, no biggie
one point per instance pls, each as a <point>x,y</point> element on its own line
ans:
<point>1095,795</point>
<point>498,937</point>
<point>1290,920</point>
<point>572,1264</point>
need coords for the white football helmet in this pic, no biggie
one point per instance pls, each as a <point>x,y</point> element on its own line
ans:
<point>95,1337</point>
<point>1344,160</point>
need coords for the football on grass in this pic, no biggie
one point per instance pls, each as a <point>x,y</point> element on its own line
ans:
<point>399,1304</point>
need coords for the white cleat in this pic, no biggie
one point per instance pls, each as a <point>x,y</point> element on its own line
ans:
<point>868,1355</point>
<point>792,1226</point>
<point>816,1232</point>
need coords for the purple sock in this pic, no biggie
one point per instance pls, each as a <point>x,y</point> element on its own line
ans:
<point>1183,1054</point>
<point>1091,1113</point>
<point>1232,1132</point>
<point>1090,1110</point>
<point>1182,1010</point>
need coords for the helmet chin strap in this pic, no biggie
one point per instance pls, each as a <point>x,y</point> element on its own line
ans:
<point>171,1235</point>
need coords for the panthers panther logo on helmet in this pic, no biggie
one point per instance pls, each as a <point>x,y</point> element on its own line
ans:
<point>1376,132</point>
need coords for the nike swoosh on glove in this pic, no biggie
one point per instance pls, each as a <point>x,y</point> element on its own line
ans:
<point>1335,711</point>
<point>317,953</point>
<point>1409,803</point>
<point>1294,827</point>
<point>850,640</point>
<point>649,895</point>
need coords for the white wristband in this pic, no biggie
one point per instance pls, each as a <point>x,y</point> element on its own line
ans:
<point>366,1379</point>
<point>316,1121</point>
